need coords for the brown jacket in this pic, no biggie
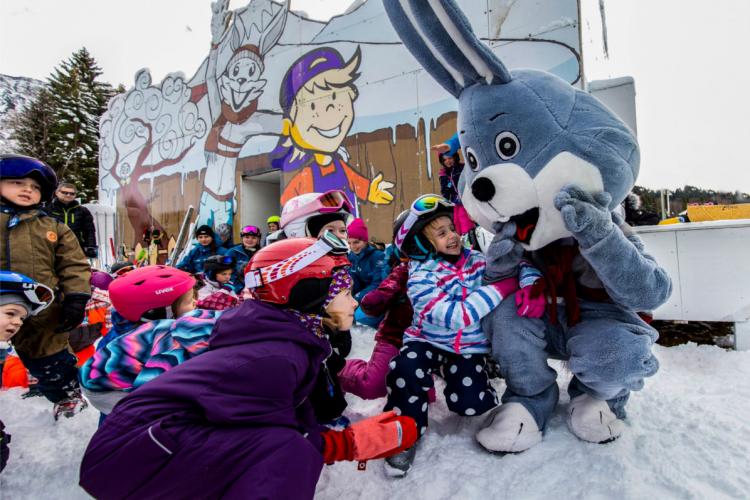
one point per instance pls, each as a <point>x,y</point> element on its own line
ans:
<point>46,250</point>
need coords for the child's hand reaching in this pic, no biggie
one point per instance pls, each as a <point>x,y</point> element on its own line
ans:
<point>531,300</point>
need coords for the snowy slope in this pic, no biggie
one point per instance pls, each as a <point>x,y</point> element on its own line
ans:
<point>688,437</point>
<point>15,93</point>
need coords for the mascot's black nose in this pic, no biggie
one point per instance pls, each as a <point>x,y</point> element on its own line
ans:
<point>483,189</point>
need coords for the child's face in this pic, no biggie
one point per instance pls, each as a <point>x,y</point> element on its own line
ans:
<point>223,277</point>
<point>356,245</point>
<point>442,234</point>
<point>11,320</point>
<point>341,310</point>
<point>273,227</point>
<point>204,239</point>
<point>337,227</point>
<point>184,304</point>
<point>250,241</point>
<point>324,117</point>
<point>22,192</point>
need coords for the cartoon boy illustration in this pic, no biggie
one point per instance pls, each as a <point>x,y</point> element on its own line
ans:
<point>317,98</point>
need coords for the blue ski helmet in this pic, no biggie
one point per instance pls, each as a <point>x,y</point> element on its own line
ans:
<point>17,288</point>
<point>14,166</point>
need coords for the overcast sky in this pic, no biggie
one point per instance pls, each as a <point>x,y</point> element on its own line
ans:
<point>688,57</point>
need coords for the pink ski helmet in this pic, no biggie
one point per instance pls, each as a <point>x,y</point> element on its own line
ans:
<point>147,288</point>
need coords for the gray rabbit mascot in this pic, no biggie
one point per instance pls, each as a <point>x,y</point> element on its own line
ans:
<point>547,164</point>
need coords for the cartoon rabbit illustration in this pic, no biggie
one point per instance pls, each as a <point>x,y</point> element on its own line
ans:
<point>546,165</point>
<point>233,104</point>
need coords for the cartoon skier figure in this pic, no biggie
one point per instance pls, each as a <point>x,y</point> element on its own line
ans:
<point>233,104</point>
<point>317,97</point>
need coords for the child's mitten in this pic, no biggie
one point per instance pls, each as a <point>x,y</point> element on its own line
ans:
<point>73,311</point>
<point>375,437</point>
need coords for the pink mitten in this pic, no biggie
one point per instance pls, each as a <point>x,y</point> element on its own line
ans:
<point>531,301</point>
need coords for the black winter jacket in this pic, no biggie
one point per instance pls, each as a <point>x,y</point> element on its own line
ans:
<point>77,218</point>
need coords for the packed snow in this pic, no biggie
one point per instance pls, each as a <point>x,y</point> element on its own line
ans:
<point>688,436</point>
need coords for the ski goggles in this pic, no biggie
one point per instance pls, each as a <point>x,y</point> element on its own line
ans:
<point>224,259</point>
<point>425,204</point>
<point>327,243</point>
<point>40,296</point>
<point>250,231</point>
<point>122,271</point>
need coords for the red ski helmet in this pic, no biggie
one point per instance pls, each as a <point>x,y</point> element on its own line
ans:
<point>279,291</point>
<point>146,288</point>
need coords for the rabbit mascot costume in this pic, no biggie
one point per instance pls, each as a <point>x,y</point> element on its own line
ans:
<point>547,164</point>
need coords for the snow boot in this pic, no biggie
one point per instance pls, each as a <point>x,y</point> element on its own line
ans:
<point>591,420</point>
<point>398,465</point>
<point>70,406</point>
<point>511,429</point>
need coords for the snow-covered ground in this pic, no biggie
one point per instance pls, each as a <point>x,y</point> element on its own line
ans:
<point>688,436</point>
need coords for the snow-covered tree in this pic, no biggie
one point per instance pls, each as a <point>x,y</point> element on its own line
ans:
<point>78,101</point>
<point>32,126</point>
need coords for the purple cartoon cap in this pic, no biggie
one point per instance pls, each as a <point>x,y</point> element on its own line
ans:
<point>305,69</point>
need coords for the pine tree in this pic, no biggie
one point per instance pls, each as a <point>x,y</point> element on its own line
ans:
<point>78,102</point>
<point>32,127</point>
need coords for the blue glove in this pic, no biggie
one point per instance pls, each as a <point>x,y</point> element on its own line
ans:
<point>586,215</point>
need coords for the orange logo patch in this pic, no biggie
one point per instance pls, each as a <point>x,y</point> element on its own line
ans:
<point>52,236</point>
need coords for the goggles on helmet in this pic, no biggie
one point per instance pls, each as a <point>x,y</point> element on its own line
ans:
<point>327,243</point>
<point>40,296</point>
<point>122,270</point>
<point>423,205</point>
<point>250,230</point>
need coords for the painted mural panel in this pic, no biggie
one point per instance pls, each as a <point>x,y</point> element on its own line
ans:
<point>340,104</point>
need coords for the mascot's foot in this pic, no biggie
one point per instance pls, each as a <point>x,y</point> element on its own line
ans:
<point>591,420</point>
<point>511,429</point>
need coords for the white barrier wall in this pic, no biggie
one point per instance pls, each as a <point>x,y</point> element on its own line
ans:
<point>710,270</point>
<point>105,223</point>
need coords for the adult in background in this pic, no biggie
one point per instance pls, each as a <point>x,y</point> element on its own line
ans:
<point>367,268</point>
<point>68,210</point>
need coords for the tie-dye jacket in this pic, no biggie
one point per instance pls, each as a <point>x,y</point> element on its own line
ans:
<point>133,359</point>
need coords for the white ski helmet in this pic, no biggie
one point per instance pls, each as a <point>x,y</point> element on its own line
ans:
<point>300,209</point>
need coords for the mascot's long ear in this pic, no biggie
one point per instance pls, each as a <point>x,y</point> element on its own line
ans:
<point>274,30</point>
<point>440,37</point>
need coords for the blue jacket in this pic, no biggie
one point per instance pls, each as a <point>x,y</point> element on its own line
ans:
<point>241,258</point>
<point>195,259</point>
<point>366,270</point>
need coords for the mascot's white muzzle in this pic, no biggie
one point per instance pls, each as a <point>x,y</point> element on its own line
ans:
<point>505,192</point>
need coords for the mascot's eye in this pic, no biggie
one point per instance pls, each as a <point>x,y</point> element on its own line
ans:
<point>471,158</point>
<point>507,145</point>
<point>312,106</point>
<point>333,96</point>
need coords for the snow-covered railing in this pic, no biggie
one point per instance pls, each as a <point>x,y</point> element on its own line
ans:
<point>710,270</point>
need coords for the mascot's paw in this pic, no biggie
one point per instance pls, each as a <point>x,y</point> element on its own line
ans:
<point>511,429</point>
<point>586,215</point>
<point>591,420</point>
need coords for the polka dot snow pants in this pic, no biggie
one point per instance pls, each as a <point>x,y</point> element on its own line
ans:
<point>467,387</point>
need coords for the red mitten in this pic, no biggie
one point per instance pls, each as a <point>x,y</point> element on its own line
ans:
<point>531,301</point>
<point>375,437</point>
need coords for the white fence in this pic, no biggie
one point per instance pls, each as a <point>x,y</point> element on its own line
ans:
<point>710,270</point>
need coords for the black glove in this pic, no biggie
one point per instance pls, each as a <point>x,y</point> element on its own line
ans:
<point>341,342</point>
<point>91,252</point>
<point>73,311</point>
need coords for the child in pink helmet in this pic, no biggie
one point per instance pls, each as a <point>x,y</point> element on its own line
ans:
<point>149,295</point>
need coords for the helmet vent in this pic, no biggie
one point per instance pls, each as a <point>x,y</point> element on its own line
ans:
<point>165,275</point>
<point>139,283</point>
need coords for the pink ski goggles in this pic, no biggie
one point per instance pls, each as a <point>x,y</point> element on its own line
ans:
<point>250,230</point>
<point>329,202</point>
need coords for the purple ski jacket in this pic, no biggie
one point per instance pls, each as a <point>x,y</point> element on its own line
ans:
<point>233,422</point>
